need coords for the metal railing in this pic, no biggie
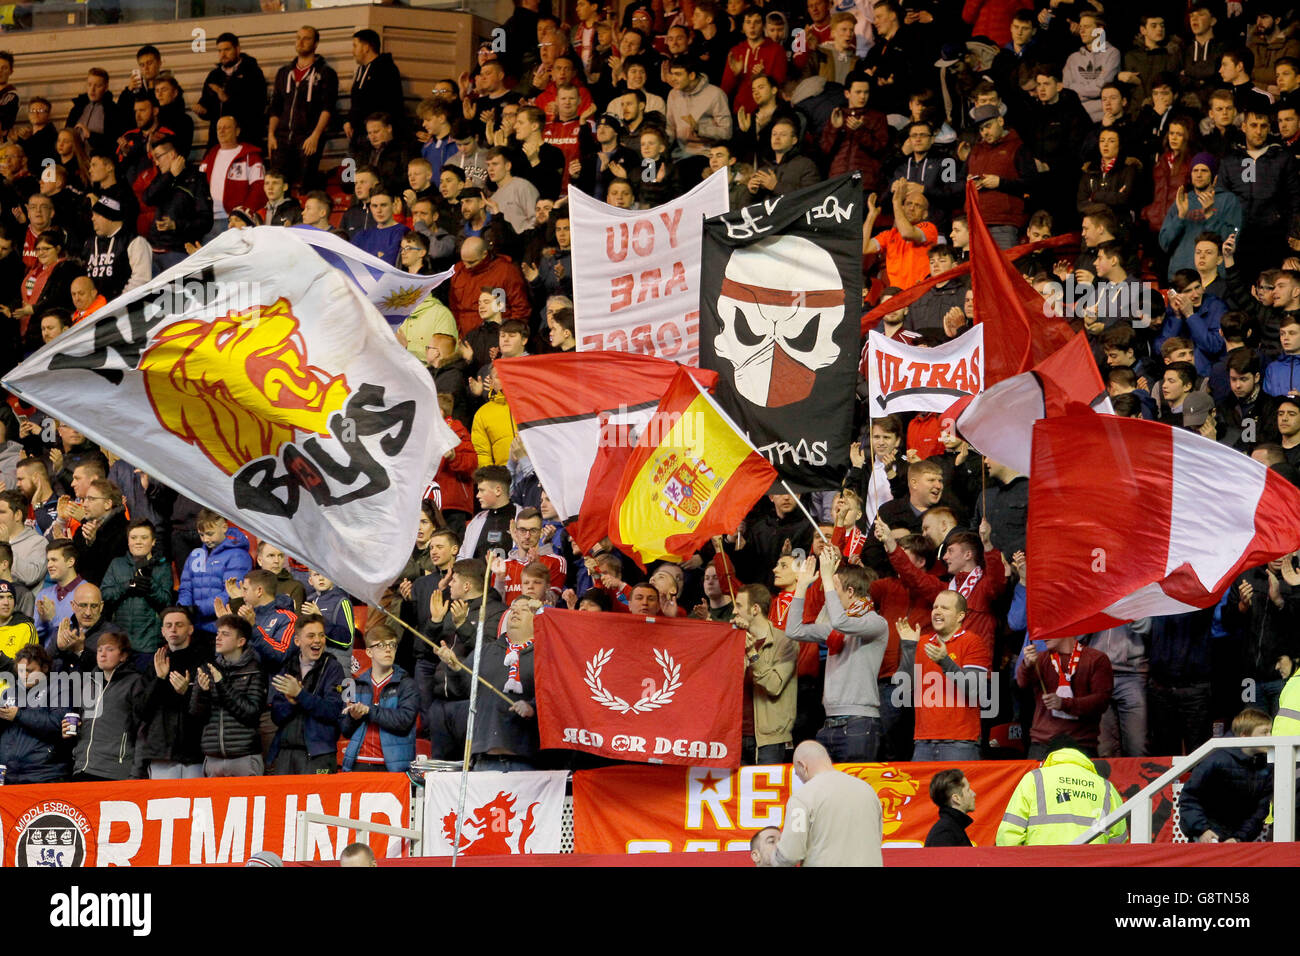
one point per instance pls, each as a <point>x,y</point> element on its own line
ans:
<point>304,819</point>
<point>1138,807</point>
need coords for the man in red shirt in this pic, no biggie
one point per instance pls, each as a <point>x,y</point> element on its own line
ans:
<point>980,578</point>
<point>565,131</point>
<point>1073,684</point>
<point>947,662</point>
<point>526,530</point>
<point>754,55</point>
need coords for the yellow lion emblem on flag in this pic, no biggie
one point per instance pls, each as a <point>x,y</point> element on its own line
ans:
<point>894,788</point>
<point>239,387</point>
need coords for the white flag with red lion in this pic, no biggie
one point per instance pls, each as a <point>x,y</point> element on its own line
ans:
<point>257,380</point>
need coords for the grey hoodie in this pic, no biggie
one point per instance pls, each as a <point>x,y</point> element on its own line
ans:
<point>851,675</point>
<point>1125,645</point>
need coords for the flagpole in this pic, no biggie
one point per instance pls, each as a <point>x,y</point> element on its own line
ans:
<point>816,526</point>
<point>456,663</point>
<point>469,723</point>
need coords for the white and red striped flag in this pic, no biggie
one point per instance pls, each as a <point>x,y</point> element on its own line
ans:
<point>1131,518</point>
<point>578,415</point>
<point>999,421</point>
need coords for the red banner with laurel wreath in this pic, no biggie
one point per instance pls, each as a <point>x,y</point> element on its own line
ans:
<point>646,689</point>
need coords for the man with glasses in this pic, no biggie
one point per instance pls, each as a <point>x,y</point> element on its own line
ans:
<point>380,723</point>
<point>73,645</point>
<point>526,530</point>
<point>40,217</point>
<point>101,537</point>
<point>182,203</point>
<point>40,145</point>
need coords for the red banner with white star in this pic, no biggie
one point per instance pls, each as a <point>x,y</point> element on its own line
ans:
<point>676,809</point>
<point>651,690</point>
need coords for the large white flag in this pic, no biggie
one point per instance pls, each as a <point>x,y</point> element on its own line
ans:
<point>518,812</point>
<point>636,273</point>
<point>257,380</point>
<point>394,292</point>
<point>909,378</point>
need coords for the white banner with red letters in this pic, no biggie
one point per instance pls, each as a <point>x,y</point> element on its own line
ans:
<point>636,273</point>
<point>517,812</point>
<point>909,378</point>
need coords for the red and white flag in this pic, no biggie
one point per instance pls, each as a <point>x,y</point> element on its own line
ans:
<point>578,415</point>
<point>1020,333</point>
<point>999,423</point>
<point>1130,519</point>
<point>504,813</point>
<point>650,690</point>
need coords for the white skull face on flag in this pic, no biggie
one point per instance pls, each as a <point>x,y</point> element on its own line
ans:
<point>782,300</point>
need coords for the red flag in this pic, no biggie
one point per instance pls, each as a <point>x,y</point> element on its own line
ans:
<point>562,403</point>
<point>999,422</point>
<point>692,475</point>
<point>914,292</point>
<point>1020,333</point>
<point>651,690</point>
<point>1130,519</point>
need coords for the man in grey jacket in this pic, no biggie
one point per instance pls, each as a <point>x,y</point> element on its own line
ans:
<point>855,637</point>
<point>698,112</point>
<point>1124,724</point>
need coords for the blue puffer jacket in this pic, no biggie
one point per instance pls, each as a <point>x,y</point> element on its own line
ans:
<point>318,707</point>
<point>32,747</point>
<point>394,715</point>
<point>204,576</point>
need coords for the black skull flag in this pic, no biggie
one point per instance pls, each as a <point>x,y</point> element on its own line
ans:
<point>780,307</point>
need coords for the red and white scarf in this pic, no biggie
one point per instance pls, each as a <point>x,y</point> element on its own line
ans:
<point>967,586</point>
<point>512,661</point>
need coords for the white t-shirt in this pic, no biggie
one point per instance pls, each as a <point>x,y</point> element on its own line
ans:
<point>217,184</point>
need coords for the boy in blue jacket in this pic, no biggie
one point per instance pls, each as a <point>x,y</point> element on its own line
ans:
<point>223,554</point>
<point>380,724</point>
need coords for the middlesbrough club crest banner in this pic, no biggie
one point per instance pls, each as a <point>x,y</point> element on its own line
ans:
<point>651,690</point>
<point>258,381</point>
<point>780,303</point>
<point>504,813</point>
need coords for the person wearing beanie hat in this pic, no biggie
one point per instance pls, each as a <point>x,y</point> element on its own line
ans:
<point>1198,208</point>
<point>115,257</point>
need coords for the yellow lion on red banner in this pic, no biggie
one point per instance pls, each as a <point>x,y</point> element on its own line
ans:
<point>895,788</point>
<point>239,387</point>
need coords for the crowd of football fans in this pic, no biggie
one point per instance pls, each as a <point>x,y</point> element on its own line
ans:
<point>1164,134</point>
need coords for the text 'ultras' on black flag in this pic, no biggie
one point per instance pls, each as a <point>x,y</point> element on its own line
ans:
<point>780,304</point>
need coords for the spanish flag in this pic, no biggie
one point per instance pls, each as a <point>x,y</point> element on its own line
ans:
<point>692,475</point>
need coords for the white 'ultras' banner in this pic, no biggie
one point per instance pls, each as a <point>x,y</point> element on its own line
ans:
<point>908,378</point>
<point>518,812</point>
<point>257,380</point>
<point>636,273</point>
<point>394,292</point>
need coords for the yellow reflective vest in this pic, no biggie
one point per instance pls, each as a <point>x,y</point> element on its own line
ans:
<point>1287,721</point>
<point>1058,801</point>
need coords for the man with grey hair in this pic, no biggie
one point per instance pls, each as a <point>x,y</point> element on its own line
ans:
<point>833,820</point>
